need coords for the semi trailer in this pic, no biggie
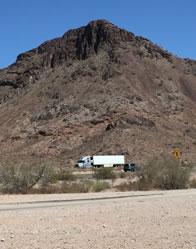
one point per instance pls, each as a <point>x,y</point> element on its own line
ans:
<point>101,161</point>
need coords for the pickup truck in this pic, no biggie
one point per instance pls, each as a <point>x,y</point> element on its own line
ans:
<point>131,167</point>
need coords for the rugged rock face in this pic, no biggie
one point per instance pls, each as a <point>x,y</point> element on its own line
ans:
<point>98,89</point>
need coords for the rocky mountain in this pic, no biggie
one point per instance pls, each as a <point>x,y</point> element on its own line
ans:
<point>98,89</point>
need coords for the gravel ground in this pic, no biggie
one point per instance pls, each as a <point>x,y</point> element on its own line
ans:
<point>160,221</point>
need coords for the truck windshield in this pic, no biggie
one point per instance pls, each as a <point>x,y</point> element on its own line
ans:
<point>80,161</point>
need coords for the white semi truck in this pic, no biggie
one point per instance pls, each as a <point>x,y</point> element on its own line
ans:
<point>101,161</point>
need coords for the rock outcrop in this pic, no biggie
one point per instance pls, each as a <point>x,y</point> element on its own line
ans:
<point>94,90</point>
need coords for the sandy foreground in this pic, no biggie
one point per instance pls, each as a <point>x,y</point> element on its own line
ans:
<point>162,220</point>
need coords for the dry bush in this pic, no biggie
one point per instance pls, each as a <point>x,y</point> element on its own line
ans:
<point>47,189</point>
<point>122,175</point>
<point>104,173</point>
<point>75,187</point>
<point>162,174</point>
<point>140,185</point>
<point>84,187</point>
<point>65,175</point>
<point>192,183</point>
<point>49,176</point>
<point>19,176</point>
<point>165,174</point>
<point>100,186</point>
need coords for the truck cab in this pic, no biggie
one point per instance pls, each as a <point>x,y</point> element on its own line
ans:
<point>85,162</point>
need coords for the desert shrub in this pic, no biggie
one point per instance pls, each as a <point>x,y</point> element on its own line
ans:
<point>122,175</point>
<point>19,176</point>
<point>88,185</point>
<point>126,186</point>
<point>49,177</point>
<point>47,189</point>
<point>160,174</point>
<point>141,185</point>
<point>84,187</point>
<point>165,174</point>
<point>65,175</point>
<point>76,187</point>
<point>192,183</point>
<point>100,186</point>
<point>65,187</point>
<point>104,173</point>
<point>123,187</point>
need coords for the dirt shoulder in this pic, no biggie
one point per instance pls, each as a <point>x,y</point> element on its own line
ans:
<point>166,220</point>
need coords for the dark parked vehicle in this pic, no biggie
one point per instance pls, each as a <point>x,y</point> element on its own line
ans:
<point>131,167</point>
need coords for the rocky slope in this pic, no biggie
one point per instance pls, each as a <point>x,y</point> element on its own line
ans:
<point>97,90</point>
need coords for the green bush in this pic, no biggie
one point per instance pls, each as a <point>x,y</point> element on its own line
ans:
<point>165,174</point>
<point>104,173</point>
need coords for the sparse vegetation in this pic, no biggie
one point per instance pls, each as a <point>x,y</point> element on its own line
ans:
<point>104,173</point>
<point>37,176</point>
<point>84,187</point>
<point>193,183</point>
<point>100,186</point>
<point>72,187</point>
<point>122,175</point>
<point>161,174</point>
<point>18,176</point>
<point>65,175</point>
<point>141,185</point>
<point>165,174</point>
<point>75,187</point>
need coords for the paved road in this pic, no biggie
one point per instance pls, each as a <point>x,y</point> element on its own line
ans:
<point>14,206</point>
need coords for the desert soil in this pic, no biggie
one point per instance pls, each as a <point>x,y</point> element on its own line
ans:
<point>165,220</point>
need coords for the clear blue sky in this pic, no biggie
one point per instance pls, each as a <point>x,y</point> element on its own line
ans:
<point>25,24</point>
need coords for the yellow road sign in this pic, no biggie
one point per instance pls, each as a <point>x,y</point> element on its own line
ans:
<point>176,154</point>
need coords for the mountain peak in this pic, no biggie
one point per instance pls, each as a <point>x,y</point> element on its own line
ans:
<point>100,21</point>
<point>75,44</point>
<point>78,93</point>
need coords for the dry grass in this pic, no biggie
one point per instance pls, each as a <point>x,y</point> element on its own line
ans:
<point>19,176</point>
<point>104,173</point>
<point>72,187</point>
<point>65,175</point>
<point>140,185</point>
<point>193,184</point>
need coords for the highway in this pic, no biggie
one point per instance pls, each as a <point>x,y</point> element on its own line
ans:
<point>14,206</point>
